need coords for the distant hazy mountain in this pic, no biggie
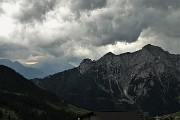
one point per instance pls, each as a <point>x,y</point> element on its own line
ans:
<point>27,72</point>
<point>52,68</point>
<point>147,80</point>
<point>21,99</point>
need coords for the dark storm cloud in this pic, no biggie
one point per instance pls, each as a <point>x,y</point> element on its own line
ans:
<point>35,9</point>
<point>163,4</point>
<point>111,27</point>
<point>118,22</point>
<point>126,21</point>
<point>13,51</point>
<point>74,29</point>
<point>53,49</point>
<point>79,5</point>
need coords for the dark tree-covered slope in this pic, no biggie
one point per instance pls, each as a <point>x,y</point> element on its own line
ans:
<point>29,102</point>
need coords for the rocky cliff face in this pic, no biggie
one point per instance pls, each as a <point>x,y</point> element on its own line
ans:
<point>148,79</point>
<point>149,74</point>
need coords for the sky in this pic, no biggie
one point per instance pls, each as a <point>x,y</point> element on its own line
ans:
<point>67,31</point>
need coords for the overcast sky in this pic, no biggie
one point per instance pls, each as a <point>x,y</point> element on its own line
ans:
<point>41,31</point>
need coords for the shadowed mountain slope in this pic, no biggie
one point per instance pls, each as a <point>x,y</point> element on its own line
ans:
<point>29,102</point>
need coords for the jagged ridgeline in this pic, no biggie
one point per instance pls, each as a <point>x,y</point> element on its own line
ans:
<point>147,80</point>
<point>21,99</point>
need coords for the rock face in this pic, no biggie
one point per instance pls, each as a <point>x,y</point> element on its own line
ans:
<point>147,80</point>
<point>85,65</point>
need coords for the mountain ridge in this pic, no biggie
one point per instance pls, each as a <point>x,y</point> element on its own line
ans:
<point>147,80</point>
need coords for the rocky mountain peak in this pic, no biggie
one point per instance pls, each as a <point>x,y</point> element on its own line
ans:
<point>87,60</point>
<point>151,47</point>
<point>147,56</point>
<point>85,65</point>
<point>150,60</point>
<point>154,50</point>
<point>107,57</point>
<point>109,54</point>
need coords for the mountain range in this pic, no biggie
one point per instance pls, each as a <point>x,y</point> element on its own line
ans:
<point>147,80</point>
<point>27,72</point>
<point>53,67</point>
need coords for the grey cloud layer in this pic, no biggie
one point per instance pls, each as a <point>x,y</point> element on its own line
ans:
<point>80,5</point>
<point>9,50</point>
<point>162,4</point>
<point>36,9</point>
<point>74,29</point>
<point>31,9</point>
